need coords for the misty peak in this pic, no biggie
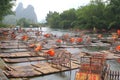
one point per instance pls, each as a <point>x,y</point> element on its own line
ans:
<point>30,7</point>
<point>27,13</point>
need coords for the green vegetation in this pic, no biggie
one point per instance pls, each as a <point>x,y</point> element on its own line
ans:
<point>98,14</point>
<point>24,22</point>
<point>5,9</point>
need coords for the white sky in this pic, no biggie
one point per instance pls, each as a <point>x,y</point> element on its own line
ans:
<point>42,7</point>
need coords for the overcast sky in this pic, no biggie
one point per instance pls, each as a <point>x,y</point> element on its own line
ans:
<point>42,7</point>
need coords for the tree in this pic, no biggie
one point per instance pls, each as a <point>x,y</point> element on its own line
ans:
<point>113,13</point>
<point>68,18</point>
<point>97,14</point>
<point>92,15</point>
<point>5,8</point>
<point>53,19</point>
<point>24,22</point>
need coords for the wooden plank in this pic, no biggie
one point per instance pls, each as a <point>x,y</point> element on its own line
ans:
<point>36,58</point>
<point>14,47</point>
<point>22,74</point>
<point>8,60</point>
<point>18,60</point>
<point>9,41</point>
<point>74,66</point>
<point>46,69</point>
<point>13,50</point>
<point>22,54</point>
<point>17,54</point>
<point>19,68</point>
<point>9,44</point>
<point>71,46</point>
<point>21,71</point>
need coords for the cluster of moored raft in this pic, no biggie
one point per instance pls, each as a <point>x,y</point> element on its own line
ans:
<point>51,64</point>
<point>47,51</point>
<point>61,61</point>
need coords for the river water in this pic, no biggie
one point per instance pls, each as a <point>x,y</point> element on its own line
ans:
<point>68,75</point>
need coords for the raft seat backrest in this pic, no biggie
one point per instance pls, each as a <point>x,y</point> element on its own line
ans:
<point>87,76</point>
<point>93,68</point>
<point>61,57</point>
<point>98,58</point>
<point>57,58</point>
<point>85,60</point>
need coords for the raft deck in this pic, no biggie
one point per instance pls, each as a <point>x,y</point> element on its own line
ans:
<point>38,69</point>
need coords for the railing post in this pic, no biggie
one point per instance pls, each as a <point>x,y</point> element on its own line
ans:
<point>118,75</point>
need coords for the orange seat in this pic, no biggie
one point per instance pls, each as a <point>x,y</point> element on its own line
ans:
<point>51,52</point>
<point>59,41</point>
<point>118,48</point>
<point>38,48</point>
<point>118,32</point>
<point>72,40</point>
<point>87,76</point>
<point>81,76</point>
<point>79,40</point>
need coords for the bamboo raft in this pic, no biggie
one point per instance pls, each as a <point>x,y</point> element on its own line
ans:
<point>17,55</point>
<point>26,59</point>
<point>14,47</point>
<point>60,62</point>
<point>35,70</point>
<point>109,55</point>
<point>9,41</point>
<point>13,50</point>
<point>21,46</point>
